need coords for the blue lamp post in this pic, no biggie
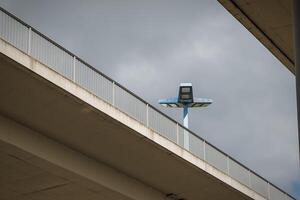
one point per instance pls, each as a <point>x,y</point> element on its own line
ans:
<point>185,100</point>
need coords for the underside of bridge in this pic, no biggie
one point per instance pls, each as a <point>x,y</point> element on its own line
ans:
<point>271,22</point>
<point>54,145</point>
<point>27,177</point>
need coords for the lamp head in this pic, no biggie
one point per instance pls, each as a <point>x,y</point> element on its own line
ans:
<point>185,98</point>
<point>185,95</point>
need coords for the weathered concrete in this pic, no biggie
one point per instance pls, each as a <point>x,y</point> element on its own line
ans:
<point>97,138</point>
<point>70,166</point>
<point>270,22</point>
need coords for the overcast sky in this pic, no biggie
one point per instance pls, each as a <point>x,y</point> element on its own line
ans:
<point>152,46</point>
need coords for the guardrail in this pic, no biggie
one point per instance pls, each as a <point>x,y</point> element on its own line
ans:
<point>40,47</point>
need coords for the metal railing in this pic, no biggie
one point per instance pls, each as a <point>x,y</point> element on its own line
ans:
<point>46,51</point>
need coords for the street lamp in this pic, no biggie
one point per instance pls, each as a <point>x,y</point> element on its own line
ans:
<point>185,100</point>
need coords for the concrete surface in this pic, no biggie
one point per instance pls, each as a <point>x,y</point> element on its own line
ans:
<point>271,22</point>
<point>48,117</point>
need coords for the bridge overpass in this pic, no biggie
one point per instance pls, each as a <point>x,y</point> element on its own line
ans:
<point>69,132</point>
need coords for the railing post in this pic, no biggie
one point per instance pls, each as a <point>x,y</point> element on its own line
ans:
<point>204,150</point>
<point>29,41</point>
<point>113,93</point>
<point>74,69</point>
<point>147,115</point>
<point>227,160</point>
<point>249,174</point>
<point>177,133</point>
<point>269,194</point>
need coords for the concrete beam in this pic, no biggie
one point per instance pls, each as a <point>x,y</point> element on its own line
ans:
<point>254,16</point>
<point>61,156</point>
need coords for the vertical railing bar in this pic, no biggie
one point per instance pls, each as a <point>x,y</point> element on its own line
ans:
<point>269,194</point>
<point>29,41</point>
<point>74,69</point>
<point>227,160</point>
<point>204,150</point>
<point>177,133</point>
<point>147,115</point>
<point>249,175</point>
<point>113,93</point>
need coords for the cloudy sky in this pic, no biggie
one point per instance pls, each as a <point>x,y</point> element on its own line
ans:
<point>152,46</point>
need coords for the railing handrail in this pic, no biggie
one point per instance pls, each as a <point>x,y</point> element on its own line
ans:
<point>139,98</point>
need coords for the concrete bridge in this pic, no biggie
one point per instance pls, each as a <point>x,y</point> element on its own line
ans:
<point>69,132</point>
